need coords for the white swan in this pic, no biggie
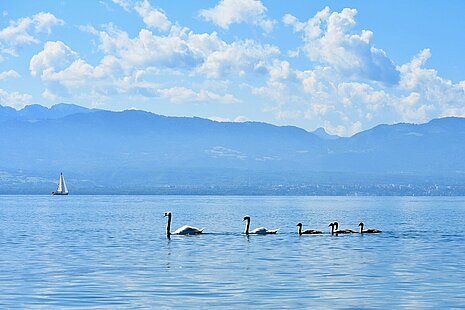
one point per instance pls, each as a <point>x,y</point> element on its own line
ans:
<point>184,230</point>
<point>307,231</point>
<point>257,231</point>
<point>368,230</point>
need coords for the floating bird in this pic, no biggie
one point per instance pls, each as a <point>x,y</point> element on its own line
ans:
<point>368,230</point>
<point>307,231</point>
<point>343,231</point>
<point>184,230</point>
<point>334,229</point>
<point>257,231</point>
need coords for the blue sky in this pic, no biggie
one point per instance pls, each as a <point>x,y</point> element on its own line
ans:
<point>342,65</point>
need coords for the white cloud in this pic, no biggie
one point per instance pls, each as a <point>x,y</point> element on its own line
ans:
<point>350,85</point>
<point>14,99</point>
<point>63,71</point>
<point>429,94</point>
<point>237,119</point>
<point>123,3</point>
<point>183,95</point>
<point>228,12</point>
<point>184,51</point>
<point>152,17</point>
<point>55,56</point>
<point>329,39</point>
<point>9,74</point>
<point>238,58</point>
<point>24,30</point>
<point>326,97</point>
<point>124,71</point>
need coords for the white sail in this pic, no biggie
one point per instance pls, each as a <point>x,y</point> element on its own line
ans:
<point>63,185</point>
<point>61,188</point>
<point>60,184</point>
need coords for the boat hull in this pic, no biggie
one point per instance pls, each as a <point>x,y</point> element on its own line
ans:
<point>59,194</point>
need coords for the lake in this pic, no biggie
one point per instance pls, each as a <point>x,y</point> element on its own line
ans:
<point>111,251</point>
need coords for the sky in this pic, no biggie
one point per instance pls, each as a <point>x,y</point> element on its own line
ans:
<point>345,65</point>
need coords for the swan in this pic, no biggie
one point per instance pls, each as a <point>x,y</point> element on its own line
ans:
<point>334,229</point>
<point>257,231</point>
<point>307,231</point>
<point>184,230</point>
<point>368,230</point>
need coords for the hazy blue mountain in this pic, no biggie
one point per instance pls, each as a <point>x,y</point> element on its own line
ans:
<point>7,113</point>
<point>321,132</point>
<point>137,151</point>
<point>431,148</point>
<point>35,112</point>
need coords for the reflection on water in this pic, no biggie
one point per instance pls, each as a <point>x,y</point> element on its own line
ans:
<point>101,251</point>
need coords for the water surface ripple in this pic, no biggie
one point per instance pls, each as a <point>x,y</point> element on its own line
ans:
<point>111,251</point>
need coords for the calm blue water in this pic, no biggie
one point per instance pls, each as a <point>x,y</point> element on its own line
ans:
<point>111,251</point>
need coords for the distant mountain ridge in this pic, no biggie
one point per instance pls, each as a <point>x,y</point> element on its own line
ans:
<point>37,112</point>
<point>140,152</point>
<point>321,132</point>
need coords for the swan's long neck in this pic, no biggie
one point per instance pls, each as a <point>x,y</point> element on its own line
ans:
<point>361,229</point>
<point>247,226</point>
<point>300,230</point>
<point>168,226</point>
<point>332,229</point>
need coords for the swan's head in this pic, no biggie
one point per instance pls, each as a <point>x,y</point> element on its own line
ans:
<point>336,224</point>
<point>361,224</point>
<point>331,224</point>
<point>246,218</point>
<point>299,225</point>
<point>167,213</point>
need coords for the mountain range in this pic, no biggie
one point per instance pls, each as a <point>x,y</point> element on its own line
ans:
<point>135,151</point>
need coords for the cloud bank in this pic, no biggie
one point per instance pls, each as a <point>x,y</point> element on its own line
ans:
<point>336,77</point>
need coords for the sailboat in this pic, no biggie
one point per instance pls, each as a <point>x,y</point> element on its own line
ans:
<point>61,189</point>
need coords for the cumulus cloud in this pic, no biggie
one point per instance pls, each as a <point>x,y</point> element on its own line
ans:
<point>430,95</point>
<point>128,61</point>
<point>349,85</point>
<point>326,97</point>
<point>237,119</point>
<point>228,12</point>
<point>238,57</point>
<point>54,57</point>
<point>329,39</point>
<point>183,94</point>
<point>152,17</point>
<point>183,50</point>
<point>14,99</point>
<point>123,3</point>
<point>23,31</point>
<point>9,74</point>
<point>63,70</point>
